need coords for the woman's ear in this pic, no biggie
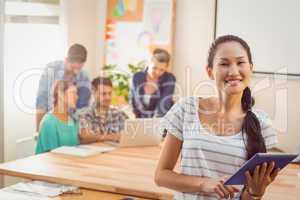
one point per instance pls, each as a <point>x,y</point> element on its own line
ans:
<point>209,71</point>
<point>251,67</point>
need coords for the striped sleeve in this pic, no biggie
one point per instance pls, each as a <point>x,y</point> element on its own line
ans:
<point>172,122</point>
<point>268,133</point>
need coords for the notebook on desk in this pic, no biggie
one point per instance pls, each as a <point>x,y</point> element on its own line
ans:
<point>82,150</point>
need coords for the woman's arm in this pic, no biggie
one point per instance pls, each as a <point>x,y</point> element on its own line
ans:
<point>87,137</point>
<point>165,176</point>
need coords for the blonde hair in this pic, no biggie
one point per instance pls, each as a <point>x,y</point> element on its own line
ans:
<point>61,86</point>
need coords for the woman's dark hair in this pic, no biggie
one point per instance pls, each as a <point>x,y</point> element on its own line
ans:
<point>251,127</point>
<point>61,86</point>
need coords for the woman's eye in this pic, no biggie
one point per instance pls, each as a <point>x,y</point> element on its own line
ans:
<point>223,64</point>
<point>240,63</point>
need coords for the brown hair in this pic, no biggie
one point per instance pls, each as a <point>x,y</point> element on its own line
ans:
<point>161,55</point>
<point>77,53</point>
<point>101,81</point>
<point>251,127</point>
<point>61,86</point>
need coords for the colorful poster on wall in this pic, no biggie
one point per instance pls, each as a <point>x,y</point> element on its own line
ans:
<point>125,10</point>
<point>158,19</point>
<point>135,27</point>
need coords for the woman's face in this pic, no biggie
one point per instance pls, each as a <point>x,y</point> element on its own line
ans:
<point>231,68</point>
<point>71,97</point>
<point>156,69</point>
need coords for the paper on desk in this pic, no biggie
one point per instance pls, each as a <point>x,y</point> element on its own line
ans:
<point>18,196</point>
<point>75,151</point>
<point>82,150</point>
<point>41,188</point>
<point>97,148</point>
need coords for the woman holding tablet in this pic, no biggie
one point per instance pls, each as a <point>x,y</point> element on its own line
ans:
<point>216,135</point>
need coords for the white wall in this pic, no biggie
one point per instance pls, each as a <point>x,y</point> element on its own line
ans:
<point>84,22</point>
<point>1,87</point>
<point>193,35</point>
<point>280,99</point>
<point>100,33</point>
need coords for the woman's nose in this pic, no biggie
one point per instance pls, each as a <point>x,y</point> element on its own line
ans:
<point>233,70</point>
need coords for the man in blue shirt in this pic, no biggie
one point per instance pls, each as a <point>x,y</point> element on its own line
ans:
<point>70,69</point>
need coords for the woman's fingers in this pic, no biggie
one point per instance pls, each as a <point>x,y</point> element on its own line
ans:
<point>263,171</point>
<point>231,191</point>
<point>274,174</point>
<point>235,189</point>
<point>219,192</point>
<point>248,178</point>
<point>224,190</point>
<point>270,169</point>
<point>256,172</point>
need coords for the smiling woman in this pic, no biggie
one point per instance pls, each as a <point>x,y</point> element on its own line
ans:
<point>216,135</point>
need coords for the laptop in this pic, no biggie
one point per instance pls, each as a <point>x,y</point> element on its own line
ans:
<point>140,132</point>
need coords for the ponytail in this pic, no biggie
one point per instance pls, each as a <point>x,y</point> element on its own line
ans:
<point>251,127</point>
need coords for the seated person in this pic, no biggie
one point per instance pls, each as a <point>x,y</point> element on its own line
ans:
<point>151,93</point>
<point>101,122</point>
<point>57,127</point>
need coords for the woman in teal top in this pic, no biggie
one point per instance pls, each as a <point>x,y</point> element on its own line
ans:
<point>57,127</point>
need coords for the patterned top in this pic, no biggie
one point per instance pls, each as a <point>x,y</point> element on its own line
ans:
<point>112,122</point>
<point>206,154</point>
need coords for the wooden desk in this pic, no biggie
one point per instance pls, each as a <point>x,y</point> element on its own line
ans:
<point>286,186</point>
<point>128,171</point>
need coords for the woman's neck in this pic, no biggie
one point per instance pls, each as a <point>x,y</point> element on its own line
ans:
<point>61,112</point>
<point>230,103</point>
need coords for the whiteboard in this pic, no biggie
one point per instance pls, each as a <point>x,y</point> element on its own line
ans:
<point>270,27</point>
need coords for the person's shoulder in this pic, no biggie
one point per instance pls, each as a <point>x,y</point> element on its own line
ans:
<point>208,103</point>
<point>84,74</point>
<point>187,103</point>
<point>169,76</point>
<point>55,65</point>
<point>48,117</point>
<point>139,75</point>
<point>263,117</point>
<point>48,120</point>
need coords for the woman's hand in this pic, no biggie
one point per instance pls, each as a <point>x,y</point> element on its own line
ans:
<point>263,176</point>
<point>216,186</point>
